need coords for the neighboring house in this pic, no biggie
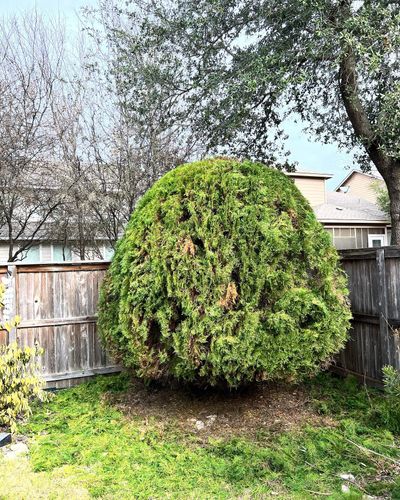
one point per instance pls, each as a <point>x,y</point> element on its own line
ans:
<point>41,229</point>
<point>349,214</point>
<point>51,249</point>
<point>361,185</point>
<point>48,251</point>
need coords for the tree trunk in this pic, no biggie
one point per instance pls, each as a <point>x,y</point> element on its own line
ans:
<point>393,185</point>
<point>10,251</point>
<point>388,167</point>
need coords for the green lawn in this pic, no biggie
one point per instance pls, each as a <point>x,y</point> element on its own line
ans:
<point>97,440</point>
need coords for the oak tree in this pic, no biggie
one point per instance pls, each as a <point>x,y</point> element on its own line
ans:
<point>238,68</point>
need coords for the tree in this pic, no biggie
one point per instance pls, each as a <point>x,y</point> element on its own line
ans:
<point>382,197</point>
<point>238,68</point>
<point>31,56</point>
<point>128,147</point>
<point>73,160</point>
<point>224,275</point>
<point>122,171</point>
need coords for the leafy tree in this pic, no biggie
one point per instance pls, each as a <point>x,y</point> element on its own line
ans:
<point>224,275</point>
<point>382,197</point>
<point>238,68</point>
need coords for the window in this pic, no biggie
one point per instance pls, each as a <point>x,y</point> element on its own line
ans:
<point>32,256</point>
<point>108,252</point>
<point>357,237</point>
<point>376,240</point>
<point>344,237</point>
<point>61,253</point>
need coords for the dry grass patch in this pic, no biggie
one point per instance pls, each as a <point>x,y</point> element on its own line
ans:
<point>265,406</point>
<point>19,481</point>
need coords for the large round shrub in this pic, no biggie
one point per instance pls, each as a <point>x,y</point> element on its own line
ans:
<point>224,275</point>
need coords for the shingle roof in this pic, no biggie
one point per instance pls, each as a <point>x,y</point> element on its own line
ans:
<point>344,207</point>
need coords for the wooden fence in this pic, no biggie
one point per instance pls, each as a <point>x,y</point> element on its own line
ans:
<point>374,284</point>
<point>58,306</point>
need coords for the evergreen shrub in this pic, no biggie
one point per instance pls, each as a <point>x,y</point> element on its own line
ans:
<point>224,276</point>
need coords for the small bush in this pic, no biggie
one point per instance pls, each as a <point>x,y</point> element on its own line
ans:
<point>19,382</point>
<point>224,275</point>
<point>389,409</point>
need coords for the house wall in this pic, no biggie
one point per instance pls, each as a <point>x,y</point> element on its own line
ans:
<point>3,252</point>
<point>360,186</point>
<point>311,188</point>
<point>46,252</point>
<point>345,237</point>
<point>55,252</point>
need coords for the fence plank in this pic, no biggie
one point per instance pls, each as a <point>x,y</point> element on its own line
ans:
<point>374,284</point>
<point>11,307</point>
<point>58,305</point>
<point>383,307</point>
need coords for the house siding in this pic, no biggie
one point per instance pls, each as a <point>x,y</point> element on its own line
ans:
<point>3,252</point>
<point>46,254</point>
<point>361,186</point>
<point>312,189</point>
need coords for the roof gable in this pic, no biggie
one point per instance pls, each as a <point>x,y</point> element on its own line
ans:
<point>353,172</point>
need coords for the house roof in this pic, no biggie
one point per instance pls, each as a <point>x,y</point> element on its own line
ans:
<point>342,207</point>
<point>303,173</point>
<point>355,171</point>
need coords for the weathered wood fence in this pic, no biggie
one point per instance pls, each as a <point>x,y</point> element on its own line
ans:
<point>58,307</point>
<point>374,284</point>
<point>57,304</point>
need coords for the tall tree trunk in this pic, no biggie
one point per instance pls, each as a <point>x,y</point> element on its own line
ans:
<point>393,185</point>
<point>388,167</point>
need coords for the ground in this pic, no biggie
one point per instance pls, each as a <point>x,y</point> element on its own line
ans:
<point>114,438</point>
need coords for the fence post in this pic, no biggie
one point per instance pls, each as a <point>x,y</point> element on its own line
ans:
<point>10,302</point>
<point>383,309</point>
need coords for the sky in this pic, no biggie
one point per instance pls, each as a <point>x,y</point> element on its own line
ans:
<point>309,154</point>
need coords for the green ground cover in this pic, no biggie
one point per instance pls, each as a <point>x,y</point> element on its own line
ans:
<point>92,441</point>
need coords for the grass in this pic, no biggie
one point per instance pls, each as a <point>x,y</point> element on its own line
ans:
<point>83,445</point>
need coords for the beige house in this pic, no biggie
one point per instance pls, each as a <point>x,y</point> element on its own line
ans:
<point>350,213</point>
<point>311,185</point>
<point>360,184</point>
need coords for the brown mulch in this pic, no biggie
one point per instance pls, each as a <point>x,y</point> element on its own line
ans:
<point>217,414</point>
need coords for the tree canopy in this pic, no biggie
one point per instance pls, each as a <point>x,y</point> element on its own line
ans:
<point>239,68</point>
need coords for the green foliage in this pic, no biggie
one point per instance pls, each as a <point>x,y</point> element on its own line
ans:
<point>244,66</point>
<point>82,435</point>
<point>381,410</point>
<point>382,196</point>
<point>389,410</point>
<point>224,275</point>
<point>239,69</point>
<point>19,381</point>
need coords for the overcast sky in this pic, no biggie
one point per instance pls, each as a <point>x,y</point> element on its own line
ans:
<point>309,154</point>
